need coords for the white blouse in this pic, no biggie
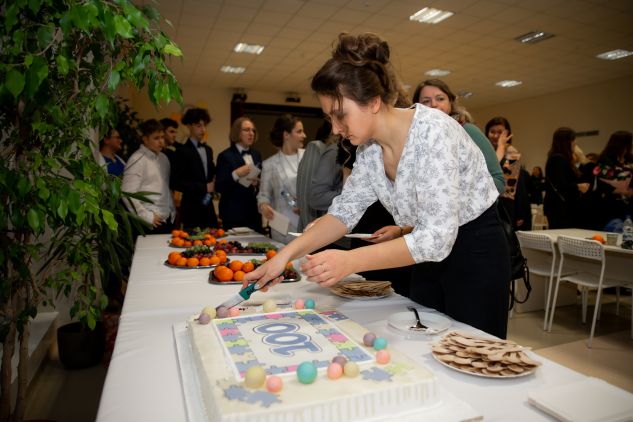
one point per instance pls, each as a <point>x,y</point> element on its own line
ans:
<point>279,173</point>
<point>442,182</point>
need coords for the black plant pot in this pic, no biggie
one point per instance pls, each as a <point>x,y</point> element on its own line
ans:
<point>79,347</point>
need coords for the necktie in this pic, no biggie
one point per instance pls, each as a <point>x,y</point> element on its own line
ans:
<point>246,152</point>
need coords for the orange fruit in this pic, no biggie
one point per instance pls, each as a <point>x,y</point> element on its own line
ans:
<point>236,265</point>
<point>197,242</point>
<point>175,233</point>
<point>193,262</point>
<point>223,242</point>
<point>207,242</point>
<point>223,259</point>
<point>599,238</point>
<point>214,260</point>
<point>182,261</point>
<point>177,242</point>
<point>223,273</point>
<point>248,267</point>
<point>207,236</point>
<point>187,243</point>
<point>173,258</point>
<point>238,275</point>
<point>220,232</point>
<point>212,240</point>
<point>270,253</point>
<point>205,262</point>
<point>184,234</point>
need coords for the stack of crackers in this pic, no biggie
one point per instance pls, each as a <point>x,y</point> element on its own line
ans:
<point>483,356</point>
<point>363,288</point>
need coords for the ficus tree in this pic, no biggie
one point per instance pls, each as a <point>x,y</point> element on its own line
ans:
<point>61,218</point>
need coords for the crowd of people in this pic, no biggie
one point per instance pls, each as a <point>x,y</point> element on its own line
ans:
<point>427,184</point>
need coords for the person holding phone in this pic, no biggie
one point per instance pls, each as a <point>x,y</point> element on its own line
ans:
<point>426,171</point>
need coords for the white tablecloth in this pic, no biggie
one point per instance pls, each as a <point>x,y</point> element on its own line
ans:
<point>143,380</point>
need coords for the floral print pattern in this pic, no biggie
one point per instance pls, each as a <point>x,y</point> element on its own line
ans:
<point>442,182</point>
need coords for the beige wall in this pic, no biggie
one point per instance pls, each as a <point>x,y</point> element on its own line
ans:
<point>217,101</point>
<point>605,107</point>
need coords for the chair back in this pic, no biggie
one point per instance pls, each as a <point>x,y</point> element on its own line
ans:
<point>582,248</point>
<point>538,241</point>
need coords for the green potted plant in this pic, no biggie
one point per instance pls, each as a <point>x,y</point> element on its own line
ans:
<point>62,63</point>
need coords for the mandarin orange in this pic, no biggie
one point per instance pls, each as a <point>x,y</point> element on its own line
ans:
<point>236,265</point>
<point>182,261</point>
<point>214,260</point>
<point>223,273</point>
<point>238,275</point>
<point>270,253</point>
<point>193,262</point>
<point>205,262</point>
<point>248,267</point>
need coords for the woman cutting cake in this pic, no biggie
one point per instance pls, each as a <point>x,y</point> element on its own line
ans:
<point>427,172</point>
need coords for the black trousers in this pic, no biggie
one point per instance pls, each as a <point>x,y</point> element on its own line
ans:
<point>472,284</point>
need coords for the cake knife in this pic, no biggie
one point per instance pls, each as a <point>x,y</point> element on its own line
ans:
<point>242,295</point>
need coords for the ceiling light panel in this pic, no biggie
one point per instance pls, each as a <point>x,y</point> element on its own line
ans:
<point>233,69</point>
<point>534,37</point>
<point>248,48</point>
<point>436,73</point>
<point>508,83</point>
<point>430,15</point>
<point>614,54</point>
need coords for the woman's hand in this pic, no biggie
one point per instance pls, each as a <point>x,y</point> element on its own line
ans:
<point>385,233</point>
<point>267,211</point>
<point>273,269</point>
<point>327,268</point>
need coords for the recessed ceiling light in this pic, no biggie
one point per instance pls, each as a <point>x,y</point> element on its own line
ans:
<point>232,69</point>
<point>614,54</point>
<point>248,48</point>
<point>534,37</point>
<point>508,84</point>
<point>465,94</point>
<point>437,72</point>
<point>430,15</point>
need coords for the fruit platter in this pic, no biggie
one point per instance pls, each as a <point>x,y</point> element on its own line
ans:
<point>234,272</point>
<point>199,256</point>
<point>234,247</point>
<point>206,237</point>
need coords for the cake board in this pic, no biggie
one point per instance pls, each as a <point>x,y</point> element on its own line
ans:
<point>450,408</point>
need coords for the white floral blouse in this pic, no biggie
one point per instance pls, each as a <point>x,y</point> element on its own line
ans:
<point>442,182</point>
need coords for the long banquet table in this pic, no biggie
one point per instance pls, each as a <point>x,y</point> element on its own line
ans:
<point>143,381</point>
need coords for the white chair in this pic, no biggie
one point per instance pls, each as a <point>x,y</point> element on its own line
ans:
<point>540,251</point>
<point>589,273</point>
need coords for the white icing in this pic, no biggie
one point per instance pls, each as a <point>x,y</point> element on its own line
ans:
<point>342,400</point>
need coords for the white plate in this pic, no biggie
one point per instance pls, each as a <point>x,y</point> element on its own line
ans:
<point>241,230</point>
<point>389,293</point>
<point>587,400</point>
<point>479,374</point>
<point>401,322</point>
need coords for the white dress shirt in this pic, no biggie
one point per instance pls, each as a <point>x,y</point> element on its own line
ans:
<point>441,183</point>
<point>147,171</point>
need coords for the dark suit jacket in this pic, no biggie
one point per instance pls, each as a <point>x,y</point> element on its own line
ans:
<point>238,204</point>
<point>188,177</point>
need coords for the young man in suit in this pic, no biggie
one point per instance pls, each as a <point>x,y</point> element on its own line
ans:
<point>238,203</point>
<point>194,173</point>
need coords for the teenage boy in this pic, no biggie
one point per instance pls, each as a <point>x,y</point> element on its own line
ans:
<point>147,170</point>
<point>194,173</point>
